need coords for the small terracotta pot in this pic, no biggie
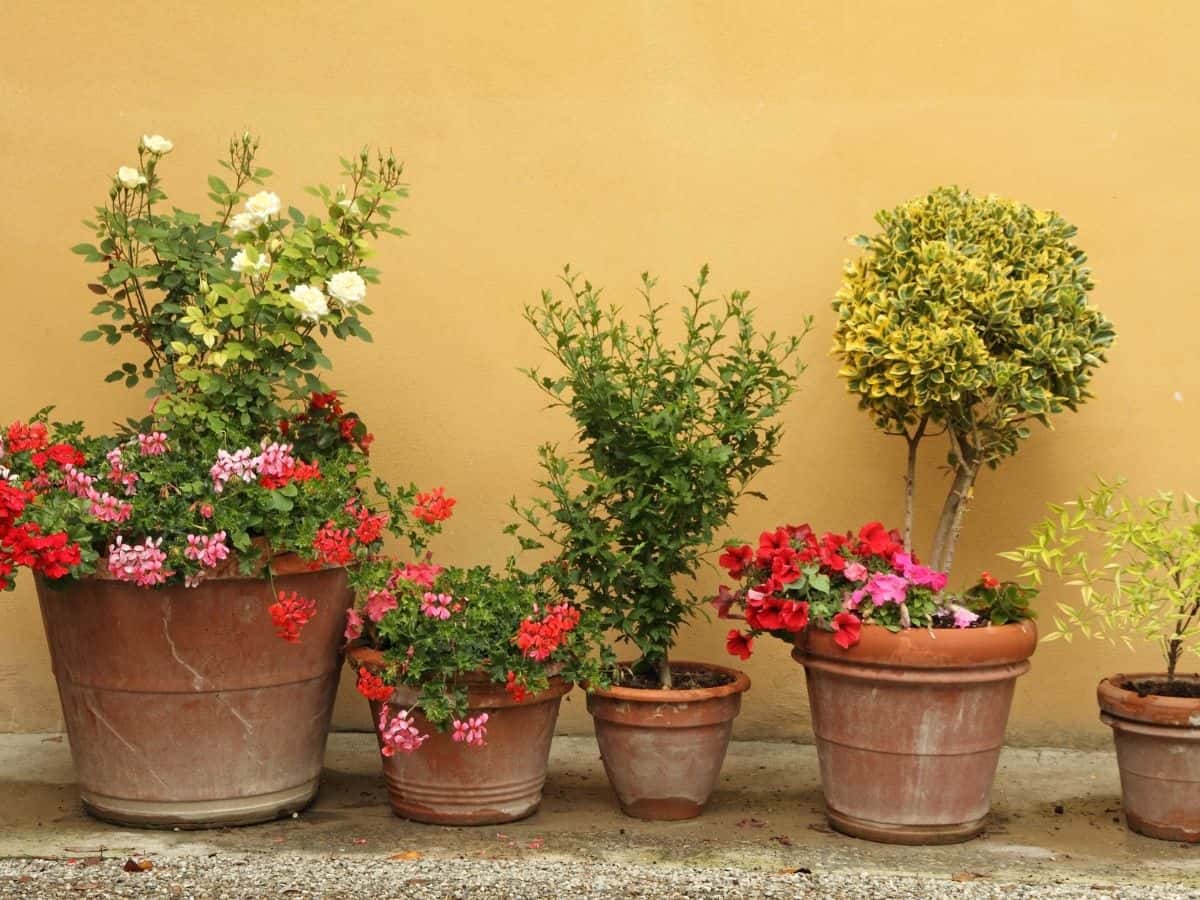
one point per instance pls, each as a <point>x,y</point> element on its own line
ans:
<point>663,750</point>
<point>449,783</point>
<point>909,726</point>
<point>182,705</point>
<point>1158,753</point>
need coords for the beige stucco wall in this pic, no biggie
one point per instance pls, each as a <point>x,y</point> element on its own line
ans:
<point>623,136</point>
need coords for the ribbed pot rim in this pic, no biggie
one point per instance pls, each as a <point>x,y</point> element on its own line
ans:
<point>1152,709</point>
<point>924,648</point>
<point>739,685</point>
<point>282,564</point>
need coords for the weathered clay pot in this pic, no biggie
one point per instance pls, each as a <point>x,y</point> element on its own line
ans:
<point>1158,753</point>
<point>449,783</point>
<point>182,705</point>
<point>909,726</point>
<point>663,750</point>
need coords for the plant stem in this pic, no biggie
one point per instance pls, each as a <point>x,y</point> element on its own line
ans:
<point>955,507</point>
<point>664,674</point>
<point>910,479</point>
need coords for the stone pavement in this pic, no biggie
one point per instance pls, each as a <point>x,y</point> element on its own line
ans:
<point>1056,831</point>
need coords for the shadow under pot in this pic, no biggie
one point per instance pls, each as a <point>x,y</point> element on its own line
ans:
<point>909,726</point>
<point>446,782</point>
<point>183,707</point>
<point>663,750</point>
<point>1158,753</point>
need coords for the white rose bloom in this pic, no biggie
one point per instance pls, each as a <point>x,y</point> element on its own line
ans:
<point>310,301</point>
<point>263,205</point>
<point>130,178</point>
<point>347,287</point>
<point>241,262</point>
<point>240,222</point>
<point>157,144</point>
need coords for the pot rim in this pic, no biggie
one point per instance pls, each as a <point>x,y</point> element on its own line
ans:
<point>1152,709</point>
<point>924,648</point>
<point>372,659</point>
<point>739,685</point>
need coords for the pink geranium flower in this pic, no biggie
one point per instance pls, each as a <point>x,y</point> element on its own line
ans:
<point>379,604</point>
<point>471,732</point>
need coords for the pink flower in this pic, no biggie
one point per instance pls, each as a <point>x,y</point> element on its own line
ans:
<point>208,550</point>
<point>275,460</point>
<point>918,574</point>
<point>436,606</point>
<point>76,482</point>
<point>108,508</point>
<point>354,625</point>
<point>241,464</point>
<point>206,511</point>
<point>855,571</point>
<point>399,733</point>
<point>963,617</point>
<point>887,588</point>
<point>422,574</point>
<point>379,604</point>
<point>141,563</point>
<point>152,444</point>
<point>471,732</point>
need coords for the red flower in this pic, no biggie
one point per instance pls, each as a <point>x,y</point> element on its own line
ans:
<point>828,551</point>
<point>325,401</point>
<point>433,507</point>
<point>772,543</point>
<point>59,454</point>
<point>515,689</point>
<point>12,502</point>
<point>21,438</point>
<point>794,615</point>
<point>739,644</point>
<point>372,687</point>
<point>306,471</point>
<point>370,526</point>
<point>333,545</point>
<point>762,614</point>
<point>735,560</point>
<point>291,613</point>
<point>538,640</point>
<point>723,601</point>
<point>847,629</point>
<point>988,580</point>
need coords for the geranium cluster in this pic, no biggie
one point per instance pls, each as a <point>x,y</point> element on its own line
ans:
<point>839,580</point>
<point>439,630</point>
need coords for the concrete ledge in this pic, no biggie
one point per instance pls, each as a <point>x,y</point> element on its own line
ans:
<point>1056,821</point>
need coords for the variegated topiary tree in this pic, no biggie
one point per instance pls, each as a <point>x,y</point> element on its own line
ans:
<point>967,316</point>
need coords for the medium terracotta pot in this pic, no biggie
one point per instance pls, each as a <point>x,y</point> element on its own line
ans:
<point>909,726</point>
<point>1158,753</point>
<point>182,705</point>
<point>663,750</point>
<point>449,783</point>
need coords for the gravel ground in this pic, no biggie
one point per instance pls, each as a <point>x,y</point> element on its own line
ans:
<point>316,877</point>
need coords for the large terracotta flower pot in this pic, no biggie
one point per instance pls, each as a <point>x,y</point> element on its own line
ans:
<point>449,783</point>
<point>1158,753</point>
<point>909,726</point>
<point>182,705</point>
<point>663,750</point>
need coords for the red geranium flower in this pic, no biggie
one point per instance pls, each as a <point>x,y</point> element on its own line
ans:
<point>291,613</point>
<point>433,507</point>
<point>333,545</point>
<point>21,438</point>
<point>847,629</point>
<point>988,580</point>
<point>372,687</point>
<point>739,644</point>
<point>59,454</point>
<point>515,689</point>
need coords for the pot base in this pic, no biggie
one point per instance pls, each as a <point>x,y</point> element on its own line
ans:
<point>200,813</point>
<point>663,809</point>
<point>912,835</point>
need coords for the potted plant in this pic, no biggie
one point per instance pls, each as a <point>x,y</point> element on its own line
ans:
<point>172,556</point>
<point>909,687</point>
<point>672,426</point>
<point>1137,566</point>
<point>966,317</point>
<point>465,670</point>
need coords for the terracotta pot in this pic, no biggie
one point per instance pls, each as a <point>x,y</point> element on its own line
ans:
<point>909,726</point>
<point>183,708</point>
<point>663,750</point>
<point>1158,753</point>
<point>449,783</point>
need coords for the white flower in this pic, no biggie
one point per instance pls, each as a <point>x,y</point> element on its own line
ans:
<point>263,205</point>
<point>347,287</point>
<point>310,301</point>
<point>239,222</point>
<point>130,178</point>
<point>156,144</point>
<point>241,262</point>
